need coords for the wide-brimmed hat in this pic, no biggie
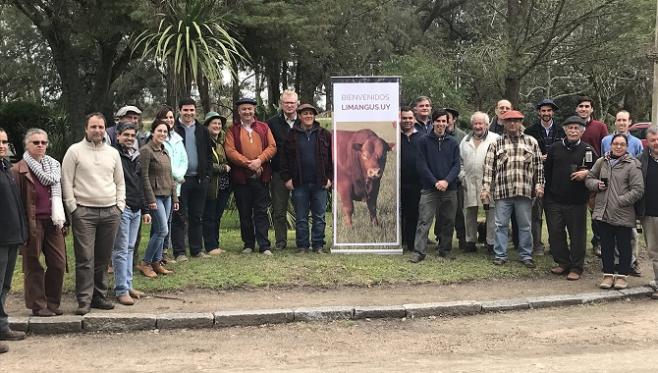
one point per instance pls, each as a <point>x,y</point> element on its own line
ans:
<point>512,114</point>
<point>214,115</point>
<point>547,102</point>
<point>127,109</point>
<point>303,107</point>
<point>452,112</point>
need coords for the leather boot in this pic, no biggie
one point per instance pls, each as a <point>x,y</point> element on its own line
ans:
<point>146,270</point>
<point>159,269</point>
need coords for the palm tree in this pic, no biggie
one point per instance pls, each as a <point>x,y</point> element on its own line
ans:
<point>191,43</point>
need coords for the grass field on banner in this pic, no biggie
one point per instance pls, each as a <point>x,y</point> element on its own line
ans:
<point>363,230</point>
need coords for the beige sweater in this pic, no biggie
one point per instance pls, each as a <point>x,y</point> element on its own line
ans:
<point>92,176</point>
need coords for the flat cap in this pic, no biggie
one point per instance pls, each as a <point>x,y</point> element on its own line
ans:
<point>303,107</point>
<point>574,119</point>
<point>512,114</point>
<point>246,100</point>
<point>127,109</point>
<point>547,102</point>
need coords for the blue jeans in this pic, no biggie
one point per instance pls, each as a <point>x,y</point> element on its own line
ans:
<point>313,197</point>
<point>160,227</point>
<point>212,217</point>
<point>122,253</point>
<point>522,207</point>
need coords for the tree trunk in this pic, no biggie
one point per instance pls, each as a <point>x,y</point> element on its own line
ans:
<point>204,92</point>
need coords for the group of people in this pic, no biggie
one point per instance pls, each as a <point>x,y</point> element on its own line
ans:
<point>176,176</point>
<point>518,174</point>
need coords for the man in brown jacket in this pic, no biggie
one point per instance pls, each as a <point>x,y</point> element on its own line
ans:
<point>250,146</point>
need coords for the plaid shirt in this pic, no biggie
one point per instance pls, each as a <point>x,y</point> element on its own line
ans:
<point>513,168</point>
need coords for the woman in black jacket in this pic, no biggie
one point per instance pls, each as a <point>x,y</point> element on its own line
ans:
<point>12,235</point>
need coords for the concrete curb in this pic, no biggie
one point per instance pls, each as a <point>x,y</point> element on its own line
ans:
<point>123,322</point>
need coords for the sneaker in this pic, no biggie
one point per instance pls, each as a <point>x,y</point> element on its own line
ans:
<point>416,257</point>
<point>573,276</point>
<point>267,252</point>
<point>247,250</point>
<point>125,299</point>
<point>499,261</point>
<point>181,258</point>
<point>102,304</point>
<point>635,270</point>
<point>201,255</point>
<point>529,263</point>
<point>608,281</point>
<point>620,282</point>
<point>11,335</point>
<point>215,252</point>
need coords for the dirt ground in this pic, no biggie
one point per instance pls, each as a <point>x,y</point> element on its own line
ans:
<point>209,301</point>
<point>592,338</point>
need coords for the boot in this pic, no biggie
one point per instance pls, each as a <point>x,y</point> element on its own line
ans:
<point>146,270</point>
<point>136,294</point>
<point>159,269</point>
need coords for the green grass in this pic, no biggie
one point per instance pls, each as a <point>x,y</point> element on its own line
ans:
<point>233,270</point>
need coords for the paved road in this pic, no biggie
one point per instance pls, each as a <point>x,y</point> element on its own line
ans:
<point>592,338</point>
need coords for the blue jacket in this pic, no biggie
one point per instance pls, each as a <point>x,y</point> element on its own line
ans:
<point>438,159</point>
<point>634,145</point>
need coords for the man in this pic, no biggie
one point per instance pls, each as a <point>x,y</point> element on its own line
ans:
<point>565,202</point>
<point>307,169</point>
<point>124,244</point>
<point>410,193</point>
<point>595,131</point>
<point>438,170</point>
<point>458,135</point>
<point>546,132</point>
<point>12,235</point>
<point>622,123</point>
<point>473,151</point>
<point>647,207</point>
<point>126,115</point>
<point>496,125</point>
<point>193,191</point>
<point>280,125</point>
<point>423,111</point>
<point>250,146</point>
<point>513,175</point>
<point>94,194</point>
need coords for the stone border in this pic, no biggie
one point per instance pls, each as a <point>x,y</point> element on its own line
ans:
<point>124,322</point>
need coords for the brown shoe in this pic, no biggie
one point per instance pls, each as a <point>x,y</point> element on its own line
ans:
<point>125,299</point>
<point>11,335</point>
<point>3,348</point>
<point>159,269</point>
<point>56,310</point>
<point>44,312</point>
<point>620,282</point>
<point>608,281</point>
<point>215,252</point>
<point>136,294</point>
<point>559,270</point>
<point>573,276</point>
<point>146,270</point>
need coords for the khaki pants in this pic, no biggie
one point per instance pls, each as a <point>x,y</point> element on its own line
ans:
<point>650,229</point>
<point>94,232</point>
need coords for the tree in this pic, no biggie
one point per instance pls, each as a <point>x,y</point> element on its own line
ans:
<point>191,44</point>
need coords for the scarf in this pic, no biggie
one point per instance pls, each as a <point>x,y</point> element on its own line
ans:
<point>49,173</point>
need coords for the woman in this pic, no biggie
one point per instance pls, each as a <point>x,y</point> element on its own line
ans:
<point>617,179</point>
<point>12,234</point>
<point>178,156</point>
<point>159,191</point>
<point>38,179</point>
<point>218,188</point>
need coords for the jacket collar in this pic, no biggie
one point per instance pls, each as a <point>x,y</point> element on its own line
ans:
<point>24,169</point>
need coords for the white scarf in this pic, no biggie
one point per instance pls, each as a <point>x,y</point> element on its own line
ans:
<point>49,173</point>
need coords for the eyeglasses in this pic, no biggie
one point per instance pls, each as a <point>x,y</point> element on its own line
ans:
<point>37,143</point>
<point>618,144</point>
<point>4,142</point>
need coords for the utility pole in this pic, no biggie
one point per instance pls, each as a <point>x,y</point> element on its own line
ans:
<point>654,95</point>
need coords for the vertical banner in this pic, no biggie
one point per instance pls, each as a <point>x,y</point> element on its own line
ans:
<point>367,165</point>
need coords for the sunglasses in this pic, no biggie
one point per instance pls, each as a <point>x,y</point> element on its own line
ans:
<point>37,143</point>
